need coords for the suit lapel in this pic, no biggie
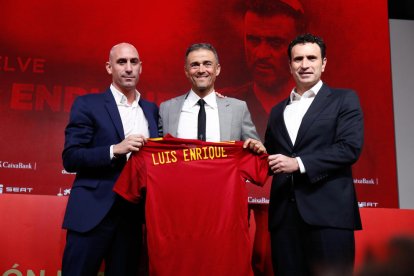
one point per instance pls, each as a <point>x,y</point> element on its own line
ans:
<point>112,109</point>
<point>318,104</point>
<point>149,115</point>
<point>280,122</point>
<point>225,117</point>
<point>257,111</point>
<point>175,112</point>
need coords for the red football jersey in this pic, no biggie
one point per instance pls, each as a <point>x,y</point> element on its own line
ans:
<point>196,208</point>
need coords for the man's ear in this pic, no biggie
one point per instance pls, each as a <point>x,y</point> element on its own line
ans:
<point>186,71</point>
<point>324,61</point>
<point>108,67</point>
<point>218,69</point>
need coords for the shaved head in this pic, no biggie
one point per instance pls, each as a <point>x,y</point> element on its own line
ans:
<point>120,45</point>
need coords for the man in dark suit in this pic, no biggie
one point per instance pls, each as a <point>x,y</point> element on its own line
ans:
<point>103,130</point>
<point>313,138</point>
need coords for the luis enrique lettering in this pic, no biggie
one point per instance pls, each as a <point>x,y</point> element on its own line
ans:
<point>188,155</point>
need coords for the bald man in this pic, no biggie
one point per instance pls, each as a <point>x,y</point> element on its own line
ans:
<point>102,132</point>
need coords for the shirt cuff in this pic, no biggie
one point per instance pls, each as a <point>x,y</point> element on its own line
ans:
<point>111,152</point>
<point>301,166</point>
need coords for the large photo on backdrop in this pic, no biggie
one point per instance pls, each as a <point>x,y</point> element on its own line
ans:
<point>51,52</point>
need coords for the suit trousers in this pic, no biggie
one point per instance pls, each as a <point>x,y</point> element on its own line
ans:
<point>300,249</point>
<point>117,240</point>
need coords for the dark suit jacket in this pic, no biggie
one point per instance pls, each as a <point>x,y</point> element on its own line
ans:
<point>329,141</point>
<point>95,125</point>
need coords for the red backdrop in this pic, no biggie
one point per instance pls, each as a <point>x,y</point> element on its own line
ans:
<point>53,51</point>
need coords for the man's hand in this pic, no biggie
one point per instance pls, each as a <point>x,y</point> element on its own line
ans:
<point>131,143</point>
<point>279,163</point>
<point>254,145</point>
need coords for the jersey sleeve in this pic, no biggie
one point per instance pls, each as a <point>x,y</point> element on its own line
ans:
<point>133,179</point>
<point>253,167</point>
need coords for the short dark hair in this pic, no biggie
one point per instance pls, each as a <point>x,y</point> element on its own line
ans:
<point>307,38</point>
<point>267,8</point>
<point>198,46</point>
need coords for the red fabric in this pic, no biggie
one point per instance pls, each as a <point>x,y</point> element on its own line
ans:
<point>196,208</point>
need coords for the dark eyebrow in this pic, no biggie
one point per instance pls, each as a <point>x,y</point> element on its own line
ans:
<point>123,60</point>
<point>298,58</point>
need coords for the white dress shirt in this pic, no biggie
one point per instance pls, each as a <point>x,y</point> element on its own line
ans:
<point>294,112</point>
<point>132,115</point>
<point>187,124</point>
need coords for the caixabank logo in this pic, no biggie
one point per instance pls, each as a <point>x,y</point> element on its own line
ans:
<point>17,165</point>
<point>366,181</point>
<point>256,200</point>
